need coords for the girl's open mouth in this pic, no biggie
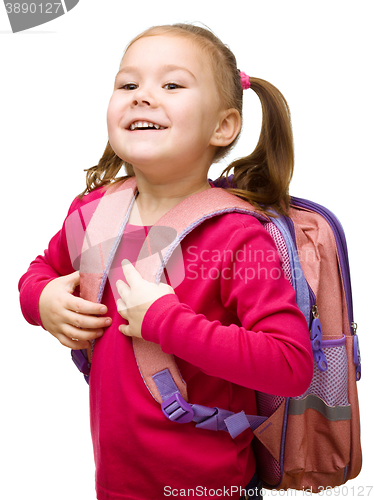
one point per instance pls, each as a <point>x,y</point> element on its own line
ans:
<point>142,125</point>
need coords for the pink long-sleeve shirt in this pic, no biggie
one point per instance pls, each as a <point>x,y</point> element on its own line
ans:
<point>233,326</point>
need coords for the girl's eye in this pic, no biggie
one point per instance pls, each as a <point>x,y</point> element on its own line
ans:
<point>129,86</point>
<point>172,86</point>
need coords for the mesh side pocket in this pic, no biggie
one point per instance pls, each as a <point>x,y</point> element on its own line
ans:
<point>267,404</point>
<point>332,385</point>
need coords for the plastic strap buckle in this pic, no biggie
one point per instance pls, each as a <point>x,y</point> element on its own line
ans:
<point>175,408</point>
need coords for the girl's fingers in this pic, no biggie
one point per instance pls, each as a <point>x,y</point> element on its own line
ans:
<point>82,306</point>
<point>81,334</point>
<point>71,281</point>
<point>125,329</point>
<point>123,289</point>
<point>86,322</point>
<point>131,274</point>
<point>121,307</point>
<point>72,344</point>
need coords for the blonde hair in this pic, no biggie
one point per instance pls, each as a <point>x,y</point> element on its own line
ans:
<point>263,177</point>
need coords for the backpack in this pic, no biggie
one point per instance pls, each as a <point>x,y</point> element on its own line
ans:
<point>308,442</point>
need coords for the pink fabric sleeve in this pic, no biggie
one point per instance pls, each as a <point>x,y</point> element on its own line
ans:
<point>40,272</point>
<point>55,262</point>
<point>268,350</point>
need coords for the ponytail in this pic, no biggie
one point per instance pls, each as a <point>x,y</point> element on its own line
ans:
<point>263,177</point>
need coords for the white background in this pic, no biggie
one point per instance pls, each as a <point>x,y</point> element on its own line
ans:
<point>55,83</point>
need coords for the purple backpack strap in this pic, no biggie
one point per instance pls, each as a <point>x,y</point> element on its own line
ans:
<point>176,409</point>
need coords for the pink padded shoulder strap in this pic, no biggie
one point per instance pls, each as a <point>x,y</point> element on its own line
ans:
<point>100,235</point>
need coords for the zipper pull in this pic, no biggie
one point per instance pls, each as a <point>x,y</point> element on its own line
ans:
<point>356,351</point>
<point>316,340</point>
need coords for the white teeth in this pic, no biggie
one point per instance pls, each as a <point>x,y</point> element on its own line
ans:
<point>137,125</point>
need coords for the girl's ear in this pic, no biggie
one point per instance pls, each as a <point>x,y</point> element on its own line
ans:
<point>227,128</point>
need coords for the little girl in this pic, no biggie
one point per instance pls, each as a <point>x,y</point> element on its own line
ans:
<point>231,323</point>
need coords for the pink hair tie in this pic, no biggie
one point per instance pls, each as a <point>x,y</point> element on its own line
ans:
<point>244,80</point>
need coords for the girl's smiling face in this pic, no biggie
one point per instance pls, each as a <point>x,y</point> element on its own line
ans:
<point>165,112</point>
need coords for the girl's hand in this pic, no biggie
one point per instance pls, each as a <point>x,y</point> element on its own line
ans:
<point>136,298</point>
<point>72,320</point>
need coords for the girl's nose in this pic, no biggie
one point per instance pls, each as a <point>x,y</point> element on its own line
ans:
<point>143,97</point>
<point>136,102</point>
